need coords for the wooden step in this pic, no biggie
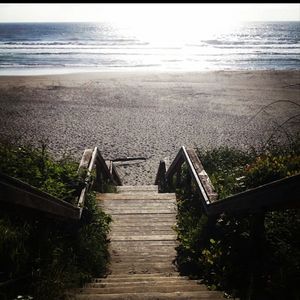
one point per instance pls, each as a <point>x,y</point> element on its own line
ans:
<point>131,228</point>
<point>143,244</point>
<point>137,188</point>
<point>198,295</point>
<point>118,276</point>
<point>142,218</point>
<point>135,196</point>
<point>156,259</point>
<point>158,278</point>
<point>144,232</point>
<point>145,237</point>
<point>134,202</point>
<point>142,288</point>
<point>138,284</point>
<point>144,253</point>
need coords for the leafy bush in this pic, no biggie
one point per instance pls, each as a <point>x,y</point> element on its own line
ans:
<point>72,256</point>
<point>56,255</point>
<point>219,250</point>
<point>226,168</point>
<point>268,167</point>
<point>35,166</point>
<point>232,171</point>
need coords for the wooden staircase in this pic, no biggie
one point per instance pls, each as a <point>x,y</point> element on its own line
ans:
<point>142,250</point>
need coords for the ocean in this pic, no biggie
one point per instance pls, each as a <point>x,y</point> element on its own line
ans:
<point>43,48</point>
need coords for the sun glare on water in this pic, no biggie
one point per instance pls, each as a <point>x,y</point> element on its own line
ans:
<point>176,25</point>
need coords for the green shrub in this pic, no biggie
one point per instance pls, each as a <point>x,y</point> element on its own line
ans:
<point>232,171</point>
<point>219,250</point>
<point>268,167</point>
<point>226,168</point>
<point>57,255</point>
<point>13,246</point>
<point>72,256</point>
<point>35,166</point>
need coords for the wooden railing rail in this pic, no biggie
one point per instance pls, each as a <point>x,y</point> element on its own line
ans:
<point>88,160</point>
<point>279,194</point>
<point>92,159</point>
<point>15,193</point>
<point>276,195</point>
<point>164,178</point>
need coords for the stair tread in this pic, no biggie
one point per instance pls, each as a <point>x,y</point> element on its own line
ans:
<point>134,196</point>
<point>183,287</point>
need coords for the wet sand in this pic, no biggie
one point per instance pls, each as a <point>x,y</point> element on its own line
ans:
<point>148,115</point>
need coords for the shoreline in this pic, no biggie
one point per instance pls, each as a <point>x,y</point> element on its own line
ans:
<point>147,114</point>
<point>61,71</point>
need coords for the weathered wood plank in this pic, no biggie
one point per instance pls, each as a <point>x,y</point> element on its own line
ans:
<point>86,158</point>
<point>204,179</point>
<point>278,194</point>
<point>147,237</point>
<point>16,192</point>
<point>115,175</point>
<point>178,160</point>
<point>101,166</point>
<point>161,175</point>
<point>135,196</point>
<point>136,189</point>
<point>145,212</point>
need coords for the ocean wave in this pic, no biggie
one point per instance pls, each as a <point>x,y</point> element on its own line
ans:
<point>77,43</point>
<point>250,42</point>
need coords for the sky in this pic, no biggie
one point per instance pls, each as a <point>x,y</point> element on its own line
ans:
<point>130,14</point>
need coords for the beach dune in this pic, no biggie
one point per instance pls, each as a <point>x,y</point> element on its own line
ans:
<point>149,115</point>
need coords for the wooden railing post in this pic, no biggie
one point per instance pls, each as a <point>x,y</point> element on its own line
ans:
<point>188,182</point>
<point>169,183</point>
<point>99,178</point>
<point>160,180</point>
<point>258,242</point>
<point>178,177</point>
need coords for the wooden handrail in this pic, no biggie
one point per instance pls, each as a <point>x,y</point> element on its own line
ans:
<point>18,193</point>
<point>279,194</point>
<point>110,173</point>
<point>195,169</point>
<point>93,159</point>
<point>14,192</point>
<point>86,188</point>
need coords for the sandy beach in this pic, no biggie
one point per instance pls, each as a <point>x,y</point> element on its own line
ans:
<point>150,115</point>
